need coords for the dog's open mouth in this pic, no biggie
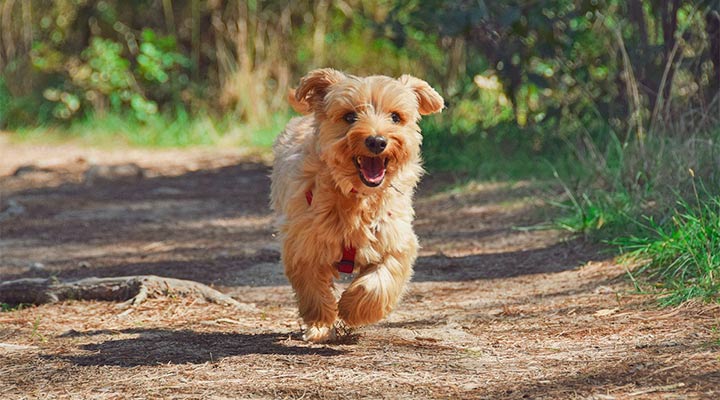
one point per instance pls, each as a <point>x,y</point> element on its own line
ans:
<point>371,169</point>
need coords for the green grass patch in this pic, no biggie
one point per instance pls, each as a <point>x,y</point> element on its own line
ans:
<point>502,152</point>
<point>637,195</point>
<point>159,131</point>
<point>5,307</point>
<point>681,254</point>
<point>596,214</point>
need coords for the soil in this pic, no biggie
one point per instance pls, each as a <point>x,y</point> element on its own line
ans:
<point>492,312</point>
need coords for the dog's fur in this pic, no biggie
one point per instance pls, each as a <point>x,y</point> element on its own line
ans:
<point>322,153</point>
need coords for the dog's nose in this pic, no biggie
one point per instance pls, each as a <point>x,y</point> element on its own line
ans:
<point>376,144</point>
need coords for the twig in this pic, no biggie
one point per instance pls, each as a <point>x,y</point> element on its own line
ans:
<point>666,388</point>
<point>10,346</point>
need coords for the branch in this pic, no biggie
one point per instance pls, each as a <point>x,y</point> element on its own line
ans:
<point>131,290</point>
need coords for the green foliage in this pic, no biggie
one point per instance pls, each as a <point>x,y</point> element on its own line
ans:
<point>102,78</point>
<point>548,55</point>
<point>5,101</point>
<point>547,62</point>
<point>158,58</point>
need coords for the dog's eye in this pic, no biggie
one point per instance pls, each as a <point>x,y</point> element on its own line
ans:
<point>350,117</point>
<point>395,118</point>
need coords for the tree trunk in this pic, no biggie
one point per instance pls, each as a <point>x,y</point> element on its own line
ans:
<point>712,26</point>
<point>669,23</point>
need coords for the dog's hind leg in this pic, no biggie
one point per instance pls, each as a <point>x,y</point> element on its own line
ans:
<point>376,291</point>
<point>316,302</point>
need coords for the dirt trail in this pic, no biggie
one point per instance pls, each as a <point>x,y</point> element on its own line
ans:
<point>492,312</point>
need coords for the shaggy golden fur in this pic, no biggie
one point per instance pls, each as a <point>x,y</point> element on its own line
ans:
<point>362,196</point>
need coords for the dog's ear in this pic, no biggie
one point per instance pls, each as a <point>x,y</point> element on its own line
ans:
<point>313,88</point>
<point>429,101</point>
<point>301,107</point>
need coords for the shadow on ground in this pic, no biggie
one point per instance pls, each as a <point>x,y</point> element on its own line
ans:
<point>601,382</point>
<point>228,271</point>
<point>117,211</point>
<point>162,346</point>
<point>218,223</point>
<point>559,257</point>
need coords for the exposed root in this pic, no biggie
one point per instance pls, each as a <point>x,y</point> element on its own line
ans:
<point>131,290</point>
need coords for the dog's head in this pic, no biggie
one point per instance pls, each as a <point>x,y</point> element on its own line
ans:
<point>368,131</point>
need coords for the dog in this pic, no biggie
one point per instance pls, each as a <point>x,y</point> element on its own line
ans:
<point>342,184</point>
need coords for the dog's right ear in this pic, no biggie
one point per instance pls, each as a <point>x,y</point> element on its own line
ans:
<point>313,88</point>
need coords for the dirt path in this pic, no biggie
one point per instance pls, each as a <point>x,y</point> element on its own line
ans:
<point>492,312</point>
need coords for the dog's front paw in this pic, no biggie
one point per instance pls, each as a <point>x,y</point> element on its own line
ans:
<point>320,334</point>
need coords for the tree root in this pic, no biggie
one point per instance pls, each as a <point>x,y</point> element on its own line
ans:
<point>130,290</point>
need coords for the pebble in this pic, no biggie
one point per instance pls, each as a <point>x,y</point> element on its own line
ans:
<point>164,190</point>
<point>108,173</point>
<point>37,266</point>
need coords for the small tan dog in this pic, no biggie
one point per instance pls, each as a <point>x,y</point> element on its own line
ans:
<point>343,183</point>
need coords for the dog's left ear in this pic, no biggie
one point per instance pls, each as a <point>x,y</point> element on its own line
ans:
<point>429,101</point>
<point>301,107</point>
<point>313,88</point>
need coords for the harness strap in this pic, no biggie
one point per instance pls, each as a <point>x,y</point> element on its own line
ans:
<point>347,262</point>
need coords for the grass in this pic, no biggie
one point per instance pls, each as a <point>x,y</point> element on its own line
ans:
<point>502,152</point>
<point>640,198</point>
<point>594,214</point>
<point>682,253</point>
<point>35,334</point>
<point>159,131</point>
<point>5,307</point>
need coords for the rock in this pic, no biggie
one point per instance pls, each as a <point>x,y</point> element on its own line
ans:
<point>470,386</point>
<point>267,254</point>
<point>606,312</point>
<point>29,169</point>
<point>13,209</point>
<point>130,172</point>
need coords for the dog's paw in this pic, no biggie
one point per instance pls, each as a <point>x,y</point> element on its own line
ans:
<point>320,334</point>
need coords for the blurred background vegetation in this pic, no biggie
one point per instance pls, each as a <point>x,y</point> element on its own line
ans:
<point>616,99</point>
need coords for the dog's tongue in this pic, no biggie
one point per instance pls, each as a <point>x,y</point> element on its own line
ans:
<point>373,169</point>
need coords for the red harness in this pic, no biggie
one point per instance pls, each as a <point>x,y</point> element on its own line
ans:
<point>347,262</point>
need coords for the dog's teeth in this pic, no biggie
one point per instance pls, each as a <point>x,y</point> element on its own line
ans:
<point>359,160</point>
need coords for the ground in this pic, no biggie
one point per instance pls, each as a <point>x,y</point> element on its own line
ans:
<point>492,312</point>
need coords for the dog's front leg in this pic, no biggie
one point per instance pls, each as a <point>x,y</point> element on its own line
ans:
<point>314,290</point>
<point>376,291</point>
